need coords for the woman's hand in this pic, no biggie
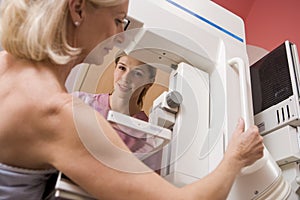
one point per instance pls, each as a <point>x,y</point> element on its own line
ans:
<point>245,147</point>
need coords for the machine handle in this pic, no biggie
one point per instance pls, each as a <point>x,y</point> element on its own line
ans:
<point>265,165</point>
<point>243,89</point>
<point>245,112</point>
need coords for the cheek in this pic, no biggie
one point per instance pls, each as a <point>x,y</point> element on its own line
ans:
<point>104,33</point>
<point>139,84</point>
<point>117,76</point>
<point>109,29</point>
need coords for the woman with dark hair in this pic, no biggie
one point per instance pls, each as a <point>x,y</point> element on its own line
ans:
<point>132,80</point>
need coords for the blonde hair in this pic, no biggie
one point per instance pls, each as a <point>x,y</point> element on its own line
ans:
<point>37,29</point>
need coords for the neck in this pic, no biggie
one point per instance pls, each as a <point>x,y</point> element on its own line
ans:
<point>46,71</point>
<point>62,73</point>
<point>59,72</point>
<point>126,106</point>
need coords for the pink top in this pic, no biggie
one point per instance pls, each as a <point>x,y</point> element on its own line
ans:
<point>136,143</point>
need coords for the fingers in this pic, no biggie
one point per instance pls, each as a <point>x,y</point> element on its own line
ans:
<point>240,126</point>
<point>246,146</point>
<point>254,147</point>
<point>253,135</point>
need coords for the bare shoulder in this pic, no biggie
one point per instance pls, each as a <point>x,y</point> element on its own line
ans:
<point>84,146</point>
<point>56,120</point>
<point>73,126</point>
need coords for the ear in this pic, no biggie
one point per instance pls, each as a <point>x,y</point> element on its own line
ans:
<point>76,8</point>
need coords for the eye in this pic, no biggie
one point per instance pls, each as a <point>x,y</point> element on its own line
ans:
<point>118,21</point>
<point>121,67</point>
<point>122,22</point>
<point>138,73</point>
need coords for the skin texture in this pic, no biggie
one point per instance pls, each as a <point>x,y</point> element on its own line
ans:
<point>43,127</point>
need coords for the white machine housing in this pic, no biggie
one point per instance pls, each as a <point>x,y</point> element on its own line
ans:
<point>203,47</point>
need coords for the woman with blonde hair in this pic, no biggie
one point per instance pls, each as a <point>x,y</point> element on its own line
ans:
<point>44,130</point>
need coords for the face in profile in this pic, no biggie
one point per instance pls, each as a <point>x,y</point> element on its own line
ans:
<point>131,76</point>
<point>101,27</point>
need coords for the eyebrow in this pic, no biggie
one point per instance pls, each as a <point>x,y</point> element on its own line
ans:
<point>120,62</point>
<point>137,68</point>
<point>122,13</point>
<point>140,69</point>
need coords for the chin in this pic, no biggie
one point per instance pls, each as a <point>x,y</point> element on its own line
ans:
<point>96,56</point>
<point>123,93</point>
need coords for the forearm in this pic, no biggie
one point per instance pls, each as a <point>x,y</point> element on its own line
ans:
<point>217,184</point>
<point>243,150</point>
<point>150,186</point>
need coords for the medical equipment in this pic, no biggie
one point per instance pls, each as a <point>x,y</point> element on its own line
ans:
<point>275,89</point>
<point>203,47</point>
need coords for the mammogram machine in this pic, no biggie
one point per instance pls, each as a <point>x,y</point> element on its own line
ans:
<point>202,47</point>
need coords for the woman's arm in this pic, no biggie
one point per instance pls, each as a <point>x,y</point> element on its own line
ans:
<point>243,149</point>
<point>87,149</point>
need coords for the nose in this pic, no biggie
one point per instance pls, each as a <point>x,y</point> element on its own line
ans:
<point>126,77</point>
<point>119,38</point>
